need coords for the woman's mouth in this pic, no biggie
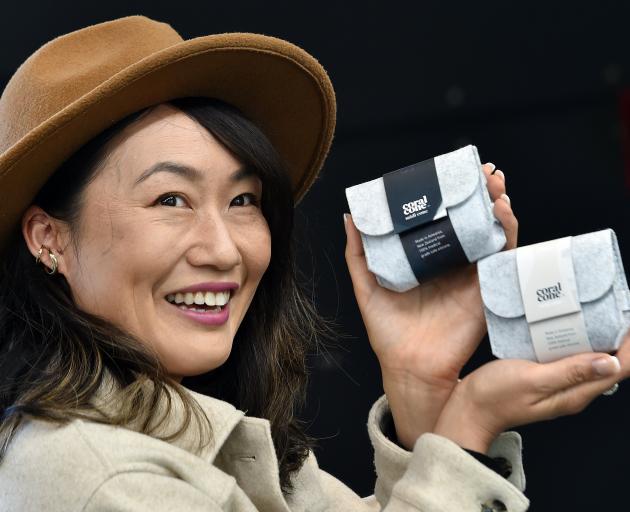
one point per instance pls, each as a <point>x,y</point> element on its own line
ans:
<point>202,301</point>
<point>205,307</point>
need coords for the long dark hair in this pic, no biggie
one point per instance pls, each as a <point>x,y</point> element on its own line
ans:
<point>53,356</point>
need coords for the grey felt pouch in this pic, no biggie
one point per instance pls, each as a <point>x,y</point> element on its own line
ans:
<point>601,296</point>
<point>464,213</point>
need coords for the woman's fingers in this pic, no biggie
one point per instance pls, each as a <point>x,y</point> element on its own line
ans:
<point>608,370</point>
<point>576,381</point>
<point>623,354</point>
<point>502,204</point>
<point>496,181</point>
<point>363,281</point>
<point>572,371</point>
<point>504,214</point>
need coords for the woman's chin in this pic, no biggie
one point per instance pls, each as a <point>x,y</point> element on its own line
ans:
<point>198,354</point>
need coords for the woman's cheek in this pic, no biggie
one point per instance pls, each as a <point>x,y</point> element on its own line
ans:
<point>255,241</point>
<point>265,247</point>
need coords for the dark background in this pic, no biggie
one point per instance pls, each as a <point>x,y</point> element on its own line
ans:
<point>539,87</point>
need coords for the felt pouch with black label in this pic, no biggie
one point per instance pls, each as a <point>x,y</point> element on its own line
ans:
<point>448,221</point>
<point>601,293</point>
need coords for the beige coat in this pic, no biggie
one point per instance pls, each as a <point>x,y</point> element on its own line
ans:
<point>89,467</point>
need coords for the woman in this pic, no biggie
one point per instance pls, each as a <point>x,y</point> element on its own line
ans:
<point>163,306</point>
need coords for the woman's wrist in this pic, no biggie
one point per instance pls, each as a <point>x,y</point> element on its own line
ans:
<point>462,424</point>
<point>415,406</point>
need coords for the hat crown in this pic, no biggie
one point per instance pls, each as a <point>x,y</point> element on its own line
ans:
<point>66,68</point>
<point>79,84</point>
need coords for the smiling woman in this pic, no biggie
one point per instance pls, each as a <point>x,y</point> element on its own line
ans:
<point>160,221</point>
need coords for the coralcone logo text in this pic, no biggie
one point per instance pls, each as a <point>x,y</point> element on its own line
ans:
<point>549,293</point>
<point>415,206</point>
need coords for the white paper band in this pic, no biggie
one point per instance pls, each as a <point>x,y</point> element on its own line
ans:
<point>552,307</point>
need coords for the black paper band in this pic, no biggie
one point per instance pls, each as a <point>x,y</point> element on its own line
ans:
<point>413,195</point>
<point>432,249</point>
<point>420,219</point>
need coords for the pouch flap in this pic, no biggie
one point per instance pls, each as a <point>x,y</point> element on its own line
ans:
<point>369,207</point>
<point>500,289</point>
<point>593,261</point>
<point>458,173</point>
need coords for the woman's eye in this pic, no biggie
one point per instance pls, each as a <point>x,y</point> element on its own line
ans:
<point>170,199</point>
<point>245,200</point>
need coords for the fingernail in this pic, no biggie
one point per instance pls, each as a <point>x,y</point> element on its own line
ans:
<point>500,174</point>
<point>345,221</point>
<point>493,167</point>
<point>606,366</point>
<point>506,198</point>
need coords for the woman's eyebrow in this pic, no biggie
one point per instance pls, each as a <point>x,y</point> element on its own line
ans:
<point>190,173</point>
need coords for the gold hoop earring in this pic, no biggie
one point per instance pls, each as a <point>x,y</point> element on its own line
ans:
<point>52,257</point>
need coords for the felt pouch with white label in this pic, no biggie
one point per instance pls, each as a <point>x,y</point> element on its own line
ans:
<point>465,216</point>
<point>601,293</point>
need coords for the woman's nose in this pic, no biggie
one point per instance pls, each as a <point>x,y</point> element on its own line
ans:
<point>214,245</point>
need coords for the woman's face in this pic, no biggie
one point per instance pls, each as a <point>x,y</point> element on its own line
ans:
<point>171,210</point>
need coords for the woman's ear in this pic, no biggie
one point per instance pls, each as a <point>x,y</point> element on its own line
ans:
<point>39,228</point>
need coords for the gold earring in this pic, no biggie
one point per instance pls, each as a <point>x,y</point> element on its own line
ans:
<point>52,257</point>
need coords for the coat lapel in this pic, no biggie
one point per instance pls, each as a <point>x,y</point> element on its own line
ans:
<point>241,446</point>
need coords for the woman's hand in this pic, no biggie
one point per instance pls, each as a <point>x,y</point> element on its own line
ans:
<point>511,392</point>
<point>423,337</point>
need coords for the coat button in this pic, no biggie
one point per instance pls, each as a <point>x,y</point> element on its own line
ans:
<point>493,506</point>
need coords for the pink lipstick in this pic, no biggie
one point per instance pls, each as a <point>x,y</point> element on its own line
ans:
<point>208,317</point>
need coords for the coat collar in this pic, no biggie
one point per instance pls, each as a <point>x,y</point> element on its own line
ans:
<point>241,446</point>
<point>223,416</point>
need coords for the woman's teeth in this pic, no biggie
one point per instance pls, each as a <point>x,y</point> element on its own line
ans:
<point>183,300</point>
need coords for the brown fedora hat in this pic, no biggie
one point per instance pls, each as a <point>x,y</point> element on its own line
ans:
<point>78,84</point>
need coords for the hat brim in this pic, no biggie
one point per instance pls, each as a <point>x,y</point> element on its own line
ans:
<point>279,86</point>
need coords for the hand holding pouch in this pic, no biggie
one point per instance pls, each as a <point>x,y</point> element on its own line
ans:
<point>403,246</point>
<point>556,298</point>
